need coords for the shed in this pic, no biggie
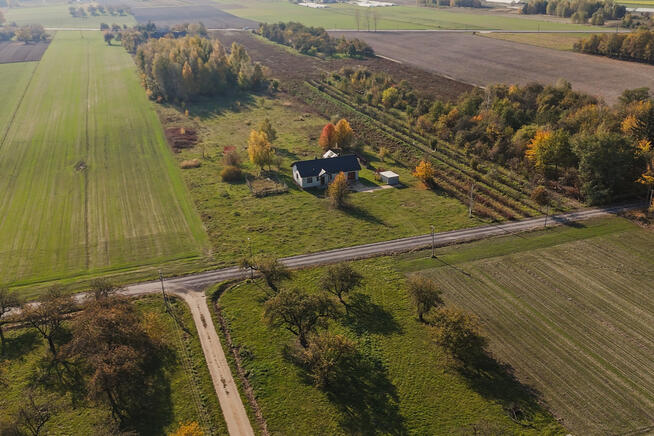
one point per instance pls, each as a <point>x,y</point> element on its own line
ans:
<point>389,177</point>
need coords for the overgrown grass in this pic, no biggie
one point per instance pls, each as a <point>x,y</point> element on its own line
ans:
<point>556,41</point>
<point>89,184</point>
<point>57,15</point>
<point>175,402</point>
<point>572,322</point>
<point>298,221</point>
<point>342,16</point>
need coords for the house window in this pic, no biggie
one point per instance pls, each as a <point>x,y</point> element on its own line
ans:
<point>309,179</point>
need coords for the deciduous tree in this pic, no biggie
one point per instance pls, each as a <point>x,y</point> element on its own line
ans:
<point>268,131</point>
<point>325,356</point>
<point>327,138</point>
<point>298,312</point>
<point>343,134</point>
<point>337,191</point>
<point>459,333</point>
<point>272,270</point>
<point>424,294</point>
<point>108,37</point>
<point>260,150</point>
<point>188,429</point>
<point>48,315</point>
<point>425,173</point>
<point>340,280</point>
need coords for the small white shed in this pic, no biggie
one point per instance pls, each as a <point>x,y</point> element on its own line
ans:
<point>389,177</point>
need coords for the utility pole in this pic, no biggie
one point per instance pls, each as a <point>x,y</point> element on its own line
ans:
<point>433,254</point>
<point>163,290</point>
<point>471,204</point>
<point>251,260</point>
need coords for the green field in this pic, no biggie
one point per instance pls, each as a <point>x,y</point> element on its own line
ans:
<point>89,185</point>
<point>568,309</point>
<point>556,41</point>
<point>186,378</point>
<point>342,16</point>
<point>57,15</point>
<point>298,221</point>
<point>571,311</point>
<point>15,78</point>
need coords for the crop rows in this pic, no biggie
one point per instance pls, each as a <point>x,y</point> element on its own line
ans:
<point>453,175</point>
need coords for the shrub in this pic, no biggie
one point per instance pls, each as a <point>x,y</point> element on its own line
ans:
<point>231,174</point>
<point>191,163</point>
<point>232,159</point>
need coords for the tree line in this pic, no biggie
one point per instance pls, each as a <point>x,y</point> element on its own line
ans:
<point>27,34</point>
<point>314,41</point>
<point>579,11</point>
<point>183,69</point>
<point>551,134</point>
<point>96,10</point>
<point>636,46</point>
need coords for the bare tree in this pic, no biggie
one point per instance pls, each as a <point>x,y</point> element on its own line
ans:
<point>103,288</point>
<point>33,415</point>
<point>48,315</point>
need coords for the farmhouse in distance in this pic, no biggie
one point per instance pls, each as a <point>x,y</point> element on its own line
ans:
<point>319,172</point>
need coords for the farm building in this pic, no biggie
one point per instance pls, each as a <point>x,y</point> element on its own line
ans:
<point>389,177</point>
<point>318,173</point>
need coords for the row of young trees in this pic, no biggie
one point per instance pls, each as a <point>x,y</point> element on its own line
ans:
<point>636,46</point>
<point>580,11</point>
<point>551,134</point>
<point>96,10</point>
<point>103,348</point>
<point>180,70</point>
<point>313,40</point>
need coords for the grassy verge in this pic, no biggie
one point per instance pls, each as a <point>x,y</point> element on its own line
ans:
<point>90,185</point>
<point>298,221</point>
<point>185,379</point>
<point>553,304</point>
<point>556,41</point>
<point>342,16</point>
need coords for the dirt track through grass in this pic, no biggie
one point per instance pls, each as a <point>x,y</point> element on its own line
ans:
<point>90,184</point>
<point>575,320</point>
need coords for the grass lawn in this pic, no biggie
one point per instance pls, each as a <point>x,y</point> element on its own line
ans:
<point>342,16</point>
<point>570,309</point>
<point>298,221</point>
<point>556,41</point>
<point>185,379</point>
<point>15,78</point>
<point>89,183</point>
<point>57,15</point>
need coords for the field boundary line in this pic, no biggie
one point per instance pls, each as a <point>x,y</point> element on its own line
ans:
<point>88,146</point>
<point>20,103</point>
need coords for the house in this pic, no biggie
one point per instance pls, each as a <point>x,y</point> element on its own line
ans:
<point>318,173</point>
<point>329,154</point>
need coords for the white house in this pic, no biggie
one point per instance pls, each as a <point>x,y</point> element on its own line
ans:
<point>318,173</point>
<point>329,154</point>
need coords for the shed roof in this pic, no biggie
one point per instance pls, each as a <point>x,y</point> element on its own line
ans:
<point>389,174</point>
<point>333,165</point>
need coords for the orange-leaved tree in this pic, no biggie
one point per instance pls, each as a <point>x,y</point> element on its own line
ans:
<point>327,137</point>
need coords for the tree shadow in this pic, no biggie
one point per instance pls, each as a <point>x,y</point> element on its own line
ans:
<point>206,107</point>
<point>362,214</point>
<point>568,223</point>
<point>284,153</point>
<point>364,316</point>
<point>496,381</point>
<point>18,346</point>
<point>366,398</point>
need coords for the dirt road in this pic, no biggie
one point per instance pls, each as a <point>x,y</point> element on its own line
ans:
<point>484,61</point>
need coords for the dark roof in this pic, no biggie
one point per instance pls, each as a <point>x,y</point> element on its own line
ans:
<point>332,165</point>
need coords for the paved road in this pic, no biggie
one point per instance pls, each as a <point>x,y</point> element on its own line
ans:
<point>483,61</point>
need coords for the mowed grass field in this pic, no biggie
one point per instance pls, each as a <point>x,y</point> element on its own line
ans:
<point>15,78</point>
<point>342,16</point>
<point>571,310</point>
<point>185,378</point>
<point>89,184</point>
<point>57,15</point>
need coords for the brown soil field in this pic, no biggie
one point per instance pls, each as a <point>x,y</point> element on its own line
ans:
<point>208,14</point>
<point>285,65</point>
<point>18,52</point>
<point>483,61</point>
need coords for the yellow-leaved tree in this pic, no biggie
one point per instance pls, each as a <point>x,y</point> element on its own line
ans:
<point>425,173</point>
<point>343,134</point>
<point>260,150</point>
<point>337,191</point>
